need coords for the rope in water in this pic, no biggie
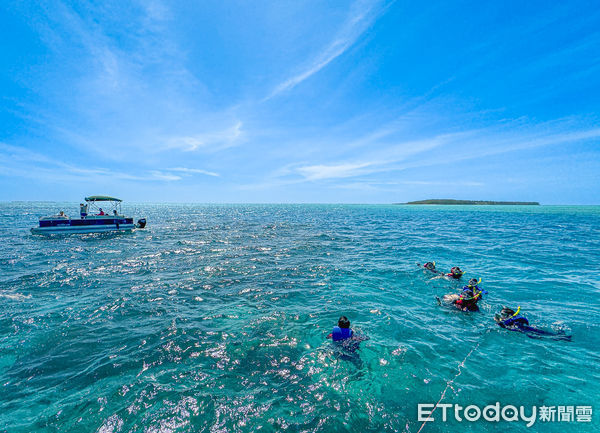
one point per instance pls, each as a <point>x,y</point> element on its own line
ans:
<point>450,382</point>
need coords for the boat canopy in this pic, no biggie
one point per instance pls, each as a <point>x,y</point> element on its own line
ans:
<point>101,198</point>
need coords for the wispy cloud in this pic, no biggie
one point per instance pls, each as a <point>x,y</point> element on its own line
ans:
<point>450,149</point>
<point>395,186</point>
<point>130,84</point>
<point>23,163</point>
<point>445,183</point>
<point>163,176</point>
<point>207,141</point>
<point>361,17</point>
<point>319,172</point>
<point>373,161</point>
<point>194,171</point>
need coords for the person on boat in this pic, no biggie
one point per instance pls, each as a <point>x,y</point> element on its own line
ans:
<point>62,214</point>
<point>115,212</point>
<point>342,331</point>
<point>83,208</point>
<point>468,299</point>
<point>101,212</point>
<point>513,321</point>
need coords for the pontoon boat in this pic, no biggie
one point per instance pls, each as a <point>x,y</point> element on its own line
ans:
<point>93,219</point>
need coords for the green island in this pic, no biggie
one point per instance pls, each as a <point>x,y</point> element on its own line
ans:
<point>475,202</point>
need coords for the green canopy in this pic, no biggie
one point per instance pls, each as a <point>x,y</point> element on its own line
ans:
<point>101,198</point>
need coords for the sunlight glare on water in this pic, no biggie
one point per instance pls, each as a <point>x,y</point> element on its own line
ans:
<point>214,317</point>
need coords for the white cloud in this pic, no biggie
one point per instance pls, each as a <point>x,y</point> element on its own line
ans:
<point>373,161</point>
<point>159,175</point>
<point>209,141</point>
<point>194,170</point>
<point>437,183</point>
<point>455,147</point>
<point>362,15</point>
<point>320,172</point>
<point>19,162</point>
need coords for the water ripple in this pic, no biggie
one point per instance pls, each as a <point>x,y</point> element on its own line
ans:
<point>214,318</point>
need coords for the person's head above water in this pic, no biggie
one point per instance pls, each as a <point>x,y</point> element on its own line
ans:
<point>473,282</point>
<point>344,322</point>
<point>508,312</point>
<point>429,265</point>
<point>456,272</point>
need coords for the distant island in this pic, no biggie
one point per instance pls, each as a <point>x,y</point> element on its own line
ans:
<point>475,202</point>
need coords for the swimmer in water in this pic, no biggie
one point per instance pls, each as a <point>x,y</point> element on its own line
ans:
<point>342,331</point>
<point>468,299</point>
<point>430,266</point>
<point>454,274</point>
<point>513,321</point>
<point>346,341</point>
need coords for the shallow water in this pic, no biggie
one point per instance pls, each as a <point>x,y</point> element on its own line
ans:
<point>214,317</point>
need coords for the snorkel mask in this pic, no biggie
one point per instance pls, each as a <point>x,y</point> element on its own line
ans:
<point>509,313</point>
<point>456,272</point>
<point>473,282</point>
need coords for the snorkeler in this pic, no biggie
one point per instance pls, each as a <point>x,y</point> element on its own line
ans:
<point>468,299</point>
<point>346,342</point>
<point>455,273</point>
<point>513,321</point>
<point>342,331</point>
<point>430,266</point>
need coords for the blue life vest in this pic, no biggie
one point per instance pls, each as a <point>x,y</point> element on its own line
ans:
<point>473,290</point>
<point>339,334</point>
<point>516,321</point>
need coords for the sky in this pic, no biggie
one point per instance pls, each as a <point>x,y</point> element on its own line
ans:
<point>300,101</point>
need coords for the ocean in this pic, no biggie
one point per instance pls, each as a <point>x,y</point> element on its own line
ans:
<point>214,318</point>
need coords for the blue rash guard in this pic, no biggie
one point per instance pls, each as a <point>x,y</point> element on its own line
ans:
<point>339,334</point>
<point>472,290</point>
<point>520,323</point>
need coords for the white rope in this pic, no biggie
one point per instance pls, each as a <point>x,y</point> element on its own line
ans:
<point>450,382</point>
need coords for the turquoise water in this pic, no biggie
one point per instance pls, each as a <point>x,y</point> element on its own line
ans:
<point>213,318</point>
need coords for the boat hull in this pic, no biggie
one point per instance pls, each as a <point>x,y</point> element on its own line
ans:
<point>92,224</point>
<point>83,229</point>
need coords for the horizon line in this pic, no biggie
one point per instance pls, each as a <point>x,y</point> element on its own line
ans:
<point>309,203</point>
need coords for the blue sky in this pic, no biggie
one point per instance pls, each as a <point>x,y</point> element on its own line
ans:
<point>300,101</point>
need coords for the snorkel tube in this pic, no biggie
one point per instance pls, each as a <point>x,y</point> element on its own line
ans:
<point>475,290</point>
<point>471,284</point>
